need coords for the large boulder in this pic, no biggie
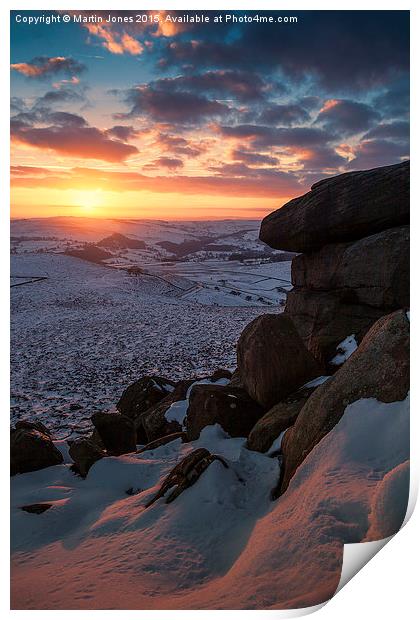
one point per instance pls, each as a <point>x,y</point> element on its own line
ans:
<point>117,432</point>
<point>379,369</point>
<point>33,424</point>
<point>276,420</point>
<point>84,453</point>
<point>31,449</point>
<point>272,359</point>
<point>324,319</point>
<point>231,407</point>
<point>372,271</point>
<point>342,208</point>
<point>143,394</point>
<point>152,423</point>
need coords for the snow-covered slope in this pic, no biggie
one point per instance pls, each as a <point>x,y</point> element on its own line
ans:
<point>222,543</point>
<point>87,331</point>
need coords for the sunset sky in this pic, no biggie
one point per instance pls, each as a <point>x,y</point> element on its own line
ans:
<point>193,121</point>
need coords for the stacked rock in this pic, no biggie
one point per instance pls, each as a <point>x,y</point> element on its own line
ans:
<point>353,235</point>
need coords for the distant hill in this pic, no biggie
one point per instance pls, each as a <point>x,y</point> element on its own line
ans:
<point>90,252</point>
<point>117,241</point>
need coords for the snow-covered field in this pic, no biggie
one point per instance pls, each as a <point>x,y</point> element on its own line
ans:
<point>222,544</point>
<point>81,332</point>
<point>87,331</point>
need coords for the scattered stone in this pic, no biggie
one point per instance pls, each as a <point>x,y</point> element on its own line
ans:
<point>221,373</point>
<point>116,431</point>
<point>231,407</point>
<point>84,453</point>
<point>143,394</point>
<point>152,424</point>
<point>185,474</point>
<point>33,424</point>
<point>379,369</point>
<point>272,360</point>
<point>236,380</point>
<point>96,438</point>
<point>342,208</point>
<point>31,449</point>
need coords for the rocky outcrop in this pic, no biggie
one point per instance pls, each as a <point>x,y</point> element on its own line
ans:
<point>373,271</point>
<point>353,232</point>
<point>117,432</point>
<point>276,420</point>
<point>343,208</point>
<point>323,320</point>
<point>84,453</point>
<point>143,394</point>
<point>31,448</point>
<point>379,369</point>
<point>273,362</point>
<point>228,406</point>
<point>153,424</point>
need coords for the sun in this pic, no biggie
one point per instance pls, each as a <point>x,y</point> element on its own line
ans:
<point>88,202</point>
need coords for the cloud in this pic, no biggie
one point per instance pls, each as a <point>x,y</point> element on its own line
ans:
<point>373,153</point>
<point>250,157</point>
<point>171,163</point>
<point>399,130</point>
<point>122,36</point>
<point>241,85</point>
<point>122,132</point>
<point>395,101</point>
<point>179,145</point>
<point>115,41</point>
<point>62,95</point>
<point>319,158</point>
<point>335,49</point>
<point>44,66</point>
<point>346,117</point>
<point>262,136</point>
<point>68,135</point>
<point>165,105</point>
<point>285,114</point>
<point>266,185</point>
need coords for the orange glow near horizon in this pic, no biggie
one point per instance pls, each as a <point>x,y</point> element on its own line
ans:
<point>138,205</point>
<point>39,189</point>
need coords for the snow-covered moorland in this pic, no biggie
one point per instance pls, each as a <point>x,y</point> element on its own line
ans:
<point>82,335</point>
<point>223,543</point>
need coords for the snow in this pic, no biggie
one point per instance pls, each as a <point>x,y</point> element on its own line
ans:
<point>317,381</point>
<point>344,350</point>
<point>178,410</point>
<point>84,334</point>
<point>222,544</point>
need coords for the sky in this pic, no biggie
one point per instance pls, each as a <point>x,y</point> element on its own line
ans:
<point>169,119</point>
